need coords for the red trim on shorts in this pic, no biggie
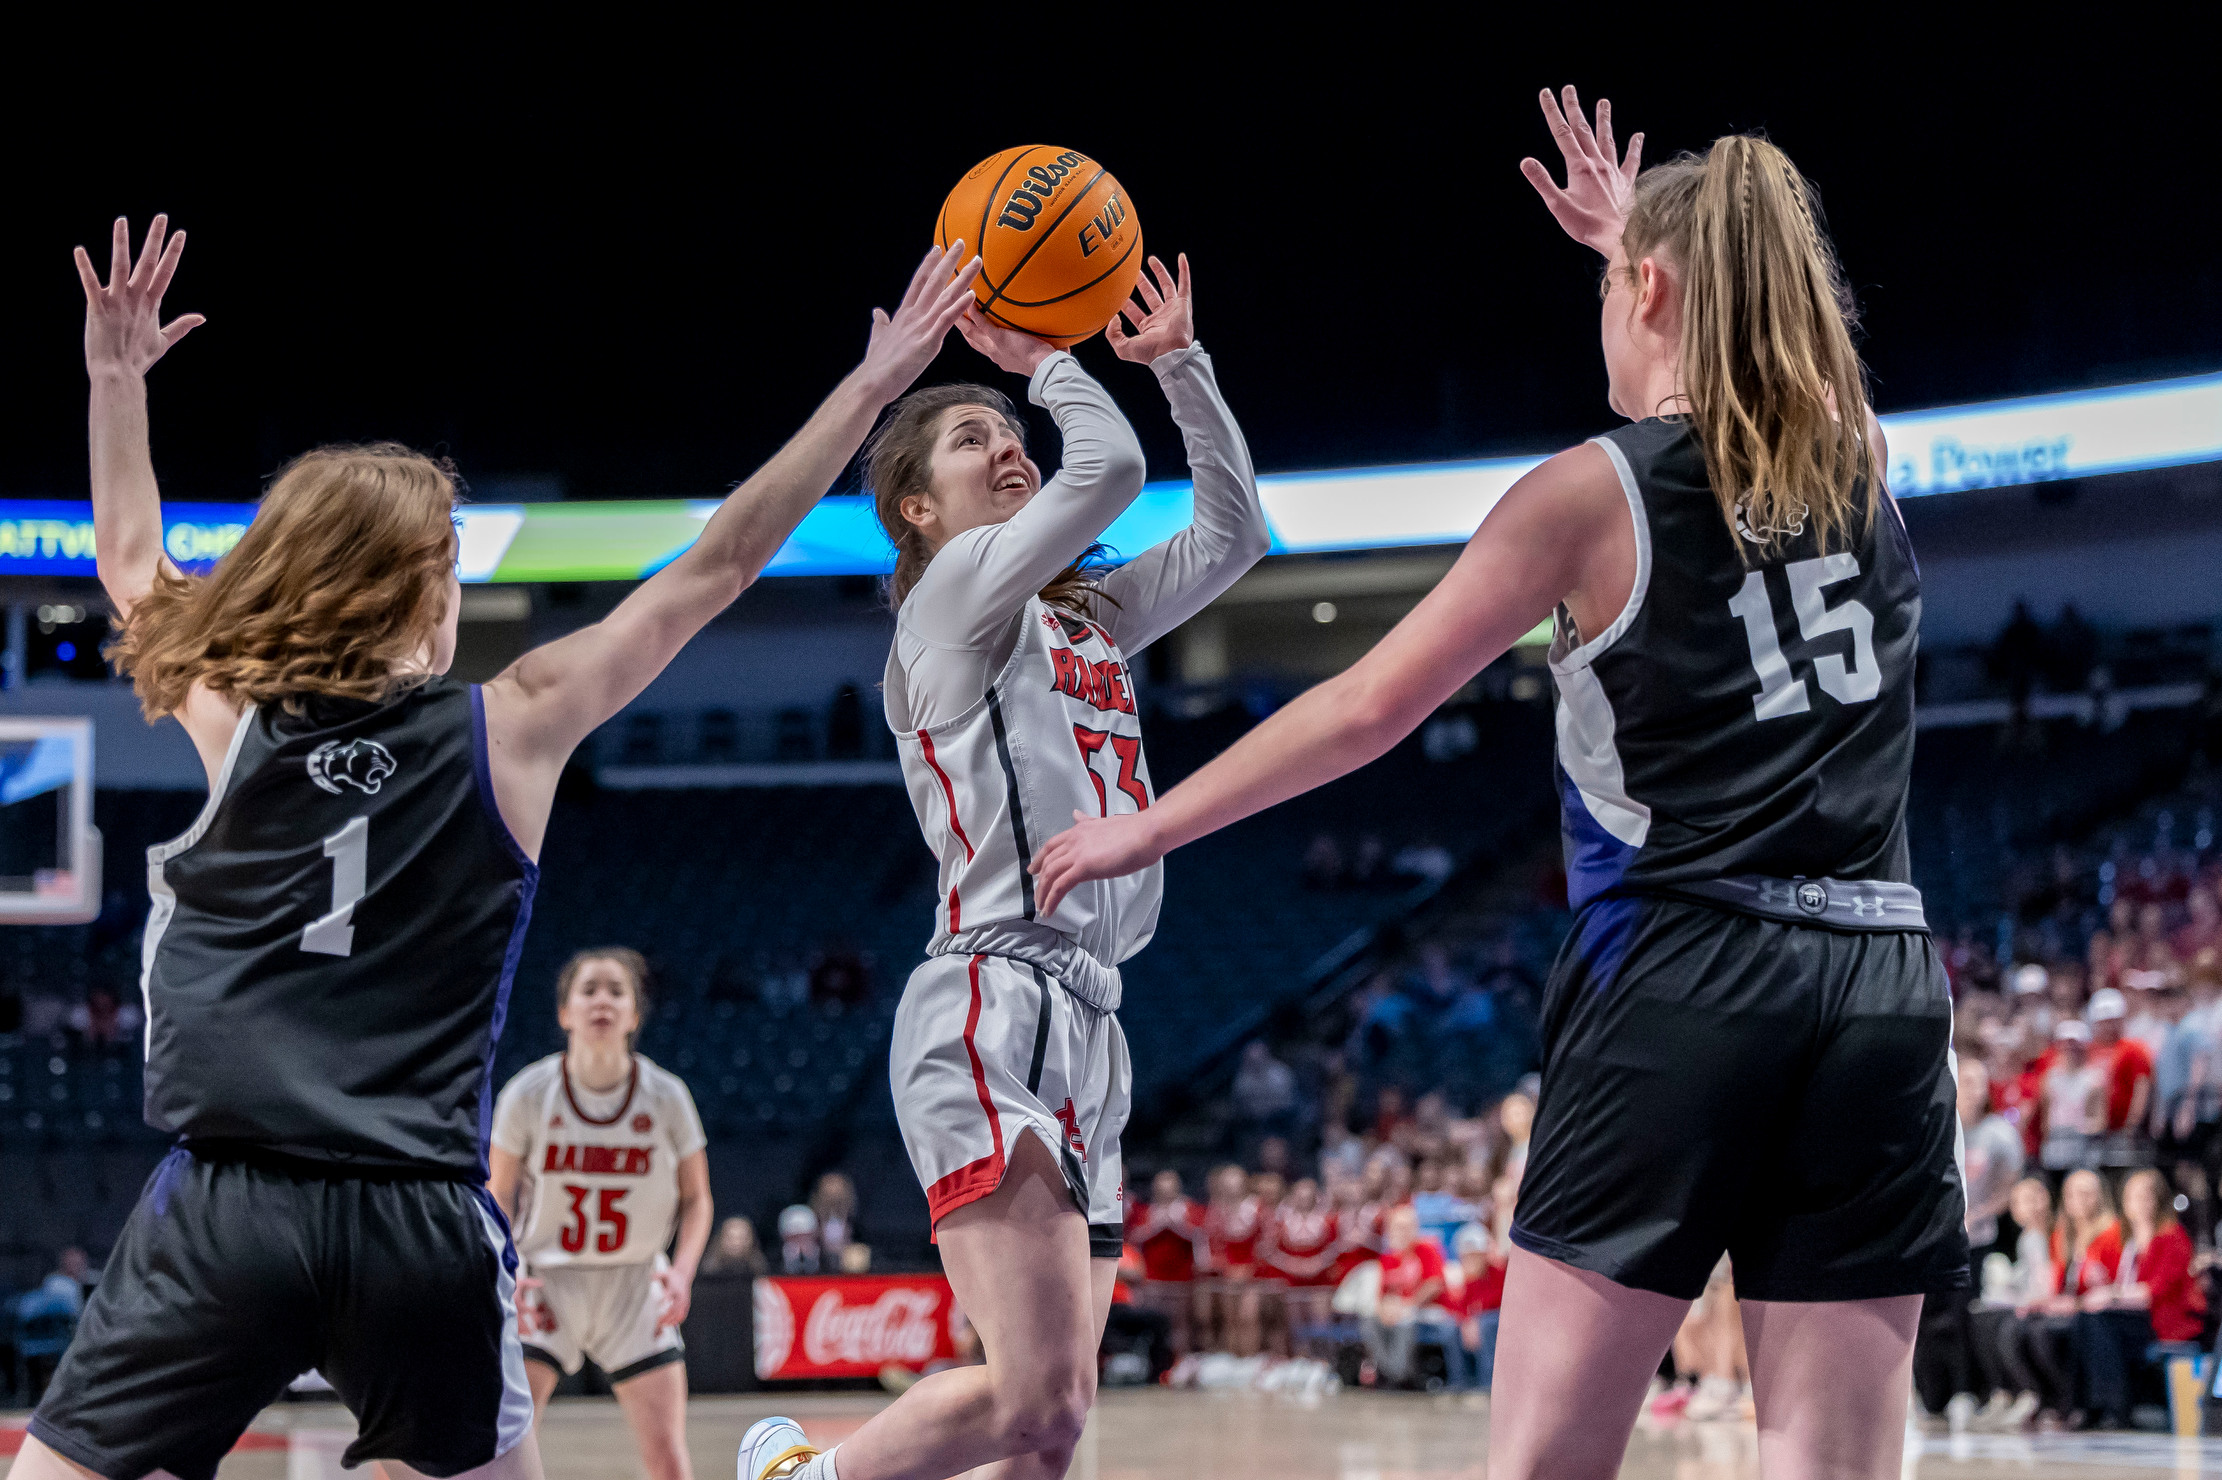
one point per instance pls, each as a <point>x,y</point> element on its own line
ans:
<point>974,1180</point>
<point>926,743</point>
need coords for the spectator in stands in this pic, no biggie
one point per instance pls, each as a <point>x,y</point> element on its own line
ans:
<point>1168,1232</point>
<point>2187,1088</point>
<point>735,1252</point>
<point>799,1250</point>
<point>2202,927</point>
<point>2036,1348</point>
<point>100,1022</point>
<point>2011,1282</point>
<point>1993,1156</point>
<point>1232,1221</point>
<point>73,1278</point>
<point>2152,1297</point>
<point>1441,1211</point>
<point>1411,1280</point>
<point>1516,1117</point>
<point>833,1203</point>
<point>1137,1337</point>
<point>1298,1252</point>
<point>2154,1006</point>
<point>2074,1099</point>
<point>2124,1062</point>
<point>855,1258</point>
<point>1264,1092</point>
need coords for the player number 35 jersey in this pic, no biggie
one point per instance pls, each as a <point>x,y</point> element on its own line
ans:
<point>601,1171</point>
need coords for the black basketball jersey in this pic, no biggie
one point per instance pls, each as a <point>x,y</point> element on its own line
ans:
<point>329,955</point>
<point>1736,720</point>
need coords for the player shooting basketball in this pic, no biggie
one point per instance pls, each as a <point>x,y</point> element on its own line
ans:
<point>1011,693</point>
<point>329,955</point>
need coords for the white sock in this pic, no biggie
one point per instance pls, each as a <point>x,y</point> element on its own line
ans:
<point>821,1468</point>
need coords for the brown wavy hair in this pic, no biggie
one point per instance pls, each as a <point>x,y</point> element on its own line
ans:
<point>898,464</point>
<point>1777,393</point>
<point>340,579</point>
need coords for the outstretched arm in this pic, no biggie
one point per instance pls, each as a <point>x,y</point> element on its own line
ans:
<point>1172,581</point>
<point>124,336</point>
<point>550,699</point>
<point>1538,545</point>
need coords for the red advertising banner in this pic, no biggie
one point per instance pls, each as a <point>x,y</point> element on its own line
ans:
<point>851,1325</point>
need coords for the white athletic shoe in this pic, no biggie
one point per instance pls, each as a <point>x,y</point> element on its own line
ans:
<point>1992,1418</point>
<point>1959,1412</point>
<point>1715,1399</point>
<point>774,1449</point>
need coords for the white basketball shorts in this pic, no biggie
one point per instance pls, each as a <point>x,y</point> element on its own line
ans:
<point>988,1048</point>
<point>603,1311</point>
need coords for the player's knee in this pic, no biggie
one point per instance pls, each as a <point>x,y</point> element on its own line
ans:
<point>1047,1408</point>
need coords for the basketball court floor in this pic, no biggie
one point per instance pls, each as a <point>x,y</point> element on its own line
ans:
<point>1228,1436</point>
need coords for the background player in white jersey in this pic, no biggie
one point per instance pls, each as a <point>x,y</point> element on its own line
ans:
<point>1010,693</point>
<point>598,1159</point>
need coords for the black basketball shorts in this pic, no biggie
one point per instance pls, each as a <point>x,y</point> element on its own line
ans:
<point>234,1277</point>
<point>1717,1082</point>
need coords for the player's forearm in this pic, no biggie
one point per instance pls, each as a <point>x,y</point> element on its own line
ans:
<point>1328,732</point>
<point>127,505</point>
<point>695,1217</point>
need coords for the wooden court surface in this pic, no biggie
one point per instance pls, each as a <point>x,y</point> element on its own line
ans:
<point>1238,1436</point>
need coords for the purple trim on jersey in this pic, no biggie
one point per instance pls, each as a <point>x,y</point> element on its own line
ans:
<point>1603,935</point>
<point>166,1178</point>
<point>508,1236</point>
<point>530,885</point>
<point>1595,860</point>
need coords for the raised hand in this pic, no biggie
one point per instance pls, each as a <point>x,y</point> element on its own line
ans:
<point>1165,322</point>
<point>123,319</point>
<point>1011,349</point>
<point>1600,186</point>
<point>904,343</point>
<point>1092,848</point>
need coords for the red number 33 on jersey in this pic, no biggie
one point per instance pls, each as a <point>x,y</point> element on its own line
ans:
<point>1128,748</point>
<point>609,1237</point>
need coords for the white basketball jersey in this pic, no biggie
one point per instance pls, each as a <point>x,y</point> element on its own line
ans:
<point>1055,733</point>
<point>601,1183</point>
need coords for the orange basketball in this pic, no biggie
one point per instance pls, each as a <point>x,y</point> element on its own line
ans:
<point>1059,244</point>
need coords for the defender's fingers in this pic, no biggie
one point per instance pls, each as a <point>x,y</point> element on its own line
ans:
<point>166,269</point>
<point>1604,130</point>
<point>1560,130</point>
<point>1148,290</point>
<point>1115,332</point>
<point>1578,121</point>
<point>1541,179</point>
<point>119,254</point>
<point>923,275</point>
<point>181,326</point>
<point>1187,287</point>
<point>151,251</point>
<point>1634,161</point>
<point>85,274</point>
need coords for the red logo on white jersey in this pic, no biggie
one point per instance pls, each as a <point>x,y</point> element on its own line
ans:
<point>642,1125</point>
<point>1101,685</point>
<point>555,1122</point>
<point>599,1161</point>
<point>1069,1118</point>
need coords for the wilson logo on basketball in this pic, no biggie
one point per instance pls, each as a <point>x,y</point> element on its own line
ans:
<point>1040,184</point>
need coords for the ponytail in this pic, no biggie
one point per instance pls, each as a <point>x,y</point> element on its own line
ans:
<point>1777,395</point>
<point>898,464</point>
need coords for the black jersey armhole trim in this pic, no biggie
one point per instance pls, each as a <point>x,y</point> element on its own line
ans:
<point>482,767</point>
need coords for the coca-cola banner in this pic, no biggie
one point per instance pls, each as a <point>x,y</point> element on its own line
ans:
<point>851,1325</point>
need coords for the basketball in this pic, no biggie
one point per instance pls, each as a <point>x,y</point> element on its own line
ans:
<point>1059,243</point>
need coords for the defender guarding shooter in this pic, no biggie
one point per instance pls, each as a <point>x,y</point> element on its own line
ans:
<point>329,955</point>
<point>1010,691</point>
<point>598,1156</point>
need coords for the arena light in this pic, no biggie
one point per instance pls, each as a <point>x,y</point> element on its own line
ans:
<point>1998,444</point>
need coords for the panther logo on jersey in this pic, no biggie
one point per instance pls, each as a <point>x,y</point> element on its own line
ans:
<point>362,764</point>
<point>1794,525</point>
